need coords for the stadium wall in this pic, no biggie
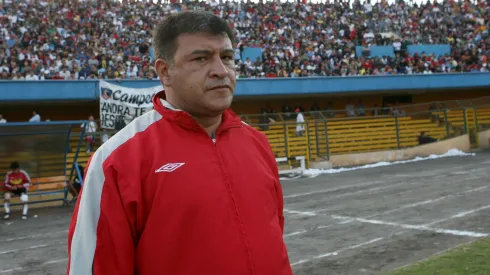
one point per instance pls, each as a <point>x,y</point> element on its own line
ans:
<point>75,110</point>
<point>484,139</point>
<point>88,90</point>
<point>73,100</point>
<point>461,143</point>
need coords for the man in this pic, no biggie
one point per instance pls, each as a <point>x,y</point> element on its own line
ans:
<point>423,139</point>
<point>75,185</point>
<point>17,183</point>
<point>186,188</point>
<point>300,123</point>
<point>90,130</point>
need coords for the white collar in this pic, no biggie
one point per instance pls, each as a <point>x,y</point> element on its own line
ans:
<point>168,105</point>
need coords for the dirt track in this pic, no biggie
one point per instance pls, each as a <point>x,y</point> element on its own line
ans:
<point>359,222</point>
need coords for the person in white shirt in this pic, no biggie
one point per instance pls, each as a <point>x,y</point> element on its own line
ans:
<point>65,73</point>
<point>31,76</point>
<point>35,117</point>
<point>300,126</point>
<point>90,130</point>
<point>2,120</point>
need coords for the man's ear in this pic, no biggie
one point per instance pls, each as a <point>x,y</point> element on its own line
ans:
<point>162,68</point>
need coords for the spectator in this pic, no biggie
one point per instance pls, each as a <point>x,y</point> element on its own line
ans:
<point>112,40</point>
<point>2,119</point>
<point>349,109</point>
<point>35,117</point>
<point>75,185</point>
<point>17,182</point>
<point>31,76</point>
<point>424,139</point>
<point>361,109</point>
<point>90,130</point>
<point>300,120</point>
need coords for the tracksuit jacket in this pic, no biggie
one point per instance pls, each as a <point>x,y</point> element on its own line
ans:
<point>162,197</point>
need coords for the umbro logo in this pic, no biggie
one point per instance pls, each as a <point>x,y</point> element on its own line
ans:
<point>169,167</point>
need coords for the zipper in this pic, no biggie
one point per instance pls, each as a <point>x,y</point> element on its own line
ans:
<point>213,137</point>
<point>241,227</point>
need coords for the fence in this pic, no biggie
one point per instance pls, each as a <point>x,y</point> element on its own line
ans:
<point>43,150</point>
<point>327,133</point>
<point>330,132</point>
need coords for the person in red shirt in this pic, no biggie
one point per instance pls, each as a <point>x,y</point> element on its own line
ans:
<point>186,188</point>
<point>17,183</point>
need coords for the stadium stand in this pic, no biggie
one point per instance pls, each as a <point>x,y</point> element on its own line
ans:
<point>327,136</point>
<point>64,39</point>
<point>341,136</point>
<point>474,117</point>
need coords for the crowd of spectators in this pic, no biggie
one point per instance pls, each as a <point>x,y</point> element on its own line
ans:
<point>69,39</point>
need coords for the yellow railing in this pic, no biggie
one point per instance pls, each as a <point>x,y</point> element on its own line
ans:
<point>326,137</point>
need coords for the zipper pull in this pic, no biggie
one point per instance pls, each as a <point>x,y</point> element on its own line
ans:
<point>213,137</point>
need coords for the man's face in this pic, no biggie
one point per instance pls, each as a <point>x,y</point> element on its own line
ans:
<point>201,79</point>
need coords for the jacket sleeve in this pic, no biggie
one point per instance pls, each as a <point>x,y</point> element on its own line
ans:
<point>277,183</point>
<point>100,237</point>
<point>280,206</point>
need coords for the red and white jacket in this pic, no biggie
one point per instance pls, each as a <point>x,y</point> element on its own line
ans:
<point>17,179</point>
<point>162,197</point>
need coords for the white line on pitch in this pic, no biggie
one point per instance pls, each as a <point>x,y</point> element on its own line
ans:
<point>30,248</point>
<point>21,268</point>
<point>459,215</point>
<point>35,236</point>
<point>11,270</point>
<point>369,190</point>
<point>427,225</point>
<point>417,227</point>
<point>332,189</point>
<point>411,205</point>
<point>19,249</point>
<point>295,233</point>
<point>406,206</point>
<point>336,252</point>
<point>429,201</point>
<point>346,219</point>
<point>305,230</point>
<point>304,213</point>
<point>56,261</point>
<point>405,226</point>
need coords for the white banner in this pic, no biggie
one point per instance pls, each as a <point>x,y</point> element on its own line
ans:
<point>120,105</point>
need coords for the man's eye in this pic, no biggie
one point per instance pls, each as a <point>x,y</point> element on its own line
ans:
<point>201,59</point>
<point>227,58</point>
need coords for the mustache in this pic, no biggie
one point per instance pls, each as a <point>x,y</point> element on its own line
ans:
<point>220,86</point>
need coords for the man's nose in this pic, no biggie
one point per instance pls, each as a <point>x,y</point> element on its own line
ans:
<point>218,68</point>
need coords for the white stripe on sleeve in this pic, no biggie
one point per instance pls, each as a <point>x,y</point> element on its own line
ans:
<point>84,239</point>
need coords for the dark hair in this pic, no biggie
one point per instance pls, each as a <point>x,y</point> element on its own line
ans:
<point>14,165</point>
<point>166,33</point>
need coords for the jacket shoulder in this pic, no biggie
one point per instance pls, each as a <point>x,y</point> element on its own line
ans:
<point>258,135</point>
<point>128,133</point>
<point>254,131</point>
